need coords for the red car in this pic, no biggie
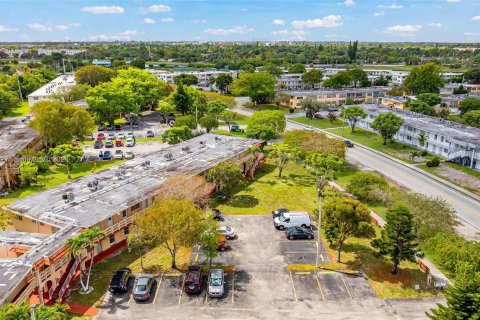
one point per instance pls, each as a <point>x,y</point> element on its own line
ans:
<point>193,280</point>
<point>100,136</point>
<point>223,245</point>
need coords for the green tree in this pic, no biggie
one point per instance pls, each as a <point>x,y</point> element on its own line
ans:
<point>281,155</point>
<point>225,176</point>
<point>185,79</point>
<point>93,75</point>
<point>8,101</point>
<point>85,241</point>
<point>28,172</point>
<point>176,135</point>
<point>422,138</point>
<point>312,77</point>
<point>344,218</point>
<point>339,80</point>
<point>359,77</point>
<point>297,68</point>
<point>138,63</point>
<point>259,86</point>
<point>210,239</point>
<point>381,81</point>
<point>397,240</point>
<point>71,93</point>
<point>469,104</point>
<point>419,106</point>
<point>67,156</point>
<point>223,81</point>
<point>272,69</point>
<point>21,311</point>
<point>59,123</point>
<point>281,98</point>
<point>216,107</point>
<point>387,124</point>
<point>181,100</point>
<point>424,79</point>
<point>187,120</point>
<point>472,76</point>
<point>366,185</point>
<point>228,117</point>
<point>353,114</point>
<point>209,122</point>
<point>432,99</point>
<point>472,118</point>
<point>266,125</point>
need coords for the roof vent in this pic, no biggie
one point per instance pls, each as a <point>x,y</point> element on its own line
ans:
<point>169,157</point>
<point>93,185</point>
<point>146,164</point>
<point>68,197</point>
<point>186,149</point>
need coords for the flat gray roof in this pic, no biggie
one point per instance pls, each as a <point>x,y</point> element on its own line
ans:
<point>14,137</point>
<point>21,238</point>
<point>345,90</point>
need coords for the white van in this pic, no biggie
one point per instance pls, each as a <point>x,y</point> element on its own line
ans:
<point>292,219</point>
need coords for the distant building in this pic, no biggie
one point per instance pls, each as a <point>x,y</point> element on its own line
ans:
<point>68,52</point>
<point>396,102</point>
<point>44,93</point>
<point>450,87</point>
<point>202,76</point>
<point>102,63</point>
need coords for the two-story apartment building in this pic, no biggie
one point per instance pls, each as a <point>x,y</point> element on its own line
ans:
<point>45,92</point>
<point>338,97</point>
<point>453,141</point>
<point>449,87</point>
<point>33,258</point>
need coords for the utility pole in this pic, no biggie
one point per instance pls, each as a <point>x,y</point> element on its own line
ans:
<point>19,88</point>
<point>320,200</point>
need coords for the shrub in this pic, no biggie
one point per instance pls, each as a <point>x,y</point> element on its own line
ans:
<point>433,162</point>
<point>367,187</point>
<point>291,110</point>
<point>249,104</point>
<point>424,153</point>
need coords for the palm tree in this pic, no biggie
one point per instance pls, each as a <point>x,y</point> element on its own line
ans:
<point>85,240</point>
<point>422,137</point>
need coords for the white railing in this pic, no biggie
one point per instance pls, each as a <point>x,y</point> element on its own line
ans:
<point>50,291</point>
<point>124,223</point>
<point>68,278</point>
<point>27,292</point>
<point>459,153</point>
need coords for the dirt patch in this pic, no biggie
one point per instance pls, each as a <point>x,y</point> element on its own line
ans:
<point>406,156</point>
<point>456,176</point>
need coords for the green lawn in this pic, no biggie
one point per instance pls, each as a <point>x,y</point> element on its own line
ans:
<point>267,192</point>
<point>260,107</point>
<point>22,111</point>
<point>241,119</point>
<point>456,118</point>
<point>56,176</point>
<point>156,261</point>
<point>375,141</point>
<point>232,134</point>
<point>320,123</point>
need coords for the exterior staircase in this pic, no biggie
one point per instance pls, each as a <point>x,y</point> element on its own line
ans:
<point>64,282</point>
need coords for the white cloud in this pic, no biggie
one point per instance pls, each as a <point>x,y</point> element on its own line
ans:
<point>331,21</point>
<point>472,34</point>
<point>453,1</point>
<point>334,35</point>
<point>403,30</point>
<point>129,33</point>
<point>379,13</point>
<point>224,32</point>
<point>167,20</point>
<point>202,21</point>
<point>157,8</point>
<point>435,25</point>
<point>392,6</point>
<point>294,34</point>
<point>477,18</point>
<point>8,29</point>
<point>39,27</point>
<point>74,25</point>
<point>148,21</point>
<point>24,37</point>
<point>349,3</point>
<point>103,9</point>
<point>61,27</point>
<point>278,22</point>
<point>103,37</point>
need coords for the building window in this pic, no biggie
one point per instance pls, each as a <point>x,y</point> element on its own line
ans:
<point>442,139</point>
<point>436,137</point>
<point>112,239</point>
<point>136,206</point>
<point>126,231</point>
<point>409,138</point>
<point>445,150</point>
<point>124,214</point>
<point>42,224</point>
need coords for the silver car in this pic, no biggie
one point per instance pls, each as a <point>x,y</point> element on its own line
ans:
<point>216,284</point>
<point>142,287</point>
<point>227,232</point>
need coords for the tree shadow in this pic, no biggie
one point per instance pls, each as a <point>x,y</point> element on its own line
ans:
<point>243,201</point>
<point>300,180</point>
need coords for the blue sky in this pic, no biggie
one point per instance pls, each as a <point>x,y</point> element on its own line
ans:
<point>224,20</point>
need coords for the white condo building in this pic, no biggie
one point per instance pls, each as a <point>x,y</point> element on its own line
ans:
<point>44,93</point>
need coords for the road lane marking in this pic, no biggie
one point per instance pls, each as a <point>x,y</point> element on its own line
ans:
<point>293,286</point>
<point>181,290</point>
<point>158,289</point>
<point>319,287</point>
<point>348,290</point>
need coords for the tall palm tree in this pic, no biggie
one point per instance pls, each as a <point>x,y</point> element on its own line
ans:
<point>85,240</point>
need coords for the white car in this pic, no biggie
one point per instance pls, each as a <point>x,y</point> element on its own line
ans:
<point>118,155</point>
<point>227,232</point>
<point>129,155</point>
<point>130,135</point>
<point>110,136</point>
<point>309,128</point>
<point>216,283</point>
<point>130,142</point>
<point>121,135</point>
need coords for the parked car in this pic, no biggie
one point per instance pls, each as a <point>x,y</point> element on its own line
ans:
<point>118,155</point>
<point>193,280</point>
<point>130,142</point>
<point>228,232</point>
<point>332,109</point>
<point>98,144</point>
<point>276,213</point>
<point>109,127</point>
<point>142,287</point>
<point>348,143</point>
<point>121,135</point>
<point>100,136</point>
<point>117,127</point>
<point>298,233</point>
<point>318,115</point>
<point>292,219</point>
<point>150,134</point>
<point>109,144</point>
<point>119,280</point>
<point>222,244</point>
<point>308,128</point>
<point>171,117</point>
<point>216,283</point>
<point>100,155</point>
<point>100,127</point>
<point>107,155</point>
<point>118,142</point>
<point>130,135</point>
<point>129,155</point>
<point>111,136</point>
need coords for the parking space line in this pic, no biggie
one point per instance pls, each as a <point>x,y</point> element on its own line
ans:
<point>293,286</point>
<point>348,290</point>
<point>304,252</point>
<point>173,275</point>
<point>196,258</point>
<point>302,273</point>
<point>181,290</point>
<point>327,272</point>
<point>158,289</point>
<point>233,286</point>
<point>299,241</point>
<point>321,257</point>
<point>319,286</point>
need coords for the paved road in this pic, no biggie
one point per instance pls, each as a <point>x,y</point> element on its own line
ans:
<point>467,208</point>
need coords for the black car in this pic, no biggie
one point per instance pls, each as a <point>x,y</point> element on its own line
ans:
<point>109,127</point>
<point>119,282</point>
<point>298,233</point>
<point>348,143</point>
<point>98,144</point>
<point>171,117</point>
<point>117,127</point>
<point>217,215</point>
<point>278,212</point>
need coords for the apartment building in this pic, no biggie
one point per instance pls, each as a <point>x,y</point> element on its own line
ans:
<point>45,92</point>
<point>15,136</point>
<point>68,52</point>
<point>338,97</point>
<point>450,87</point>
<point>33,259</point>
<point>453,141</point>
<point>102,63</point>
<point>202,76</point>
